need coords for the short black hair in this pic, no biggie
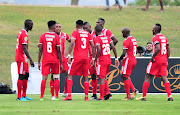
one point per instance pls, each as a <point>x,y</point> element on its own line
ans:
<point>26,22</point>
<point>79,22</point>
<point>149,43</point>
<point>51,23</point>
<point>86,23</point>
<point>159,26</point>
<point>98,28</point>
<point>102,19</point>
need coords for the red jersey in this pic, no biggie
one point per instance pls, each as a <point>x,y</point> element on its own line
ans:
<point>160,39</point>
<point>104,42</point>
<point>131,45</point>
<point>105,32</point>
<point>63,37</point>
<point>81,47</point>
<point>22,38</point>
<point>49,41</point>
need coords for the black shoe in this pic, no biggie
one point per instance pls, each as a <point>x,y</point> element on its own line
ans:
<point>170,98</point>
<point>108,96</point>
<point>93,97</point>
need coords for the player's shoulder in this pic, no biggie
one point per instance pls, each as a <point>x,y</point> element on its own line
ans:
<point>23,32</point>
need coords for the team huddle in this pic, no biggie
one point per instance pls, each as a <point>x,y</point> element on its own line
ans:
<point>91,55</point>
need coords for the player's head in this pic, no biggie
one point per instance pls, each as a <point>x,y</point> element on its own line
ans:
<point>100,22</point>
<point>79,24</point>
<point>98,30</point>
<point>156,29</point>
<point>87,27</point>
<point>28,24</point>
<point>58,28</point>
<point>149,47</point>
<point>125,32</point>
<point>52,25</point>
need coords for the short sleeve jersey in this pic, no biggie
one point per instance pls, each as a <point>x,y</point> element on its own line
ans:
<point>81,47</point>
<point>63,37</point>
<point>130,44</point>
<point>160,39</point>
<point>104,42</point>
<point>49,41</point>
<point>22,38</point>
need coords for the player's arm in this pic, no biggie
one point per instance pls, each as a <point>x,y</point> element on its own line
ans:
<point>93,53</point>
<point>59,55</point>
<point>71,45</point>
<point>157,50</point>
<point>27,54</point>
<point>98,48</point>
<point>168,51</point>
<point>123,54</point>
<point>115,40</point>
<point>39,55</point>
<point>115,54</point>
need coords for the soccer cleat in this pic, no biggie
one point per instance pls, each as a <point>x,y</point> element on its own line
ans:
<point>99,99</point>
<point>86,99</point>
<point>68,98</point>
<point>21,99</point>
<point>28,98</point>
<point>53,98</point>
<point>125,99</point>
<point>170,98</point>
<point>135,94</point>
<point>93,97</point>
<point>108,96</point>
<point>141,98</point>
<point>56,99</point>
<point>65,94</point>
<point>41,99</point>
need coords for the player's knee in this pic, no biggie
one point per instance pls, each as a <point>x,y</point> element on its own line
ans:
<point>21,77</point>
<point>124,77</point>
<point>26,76</point>
<point>93,76</point>
<point>86,79</point>
<point>55,76</point>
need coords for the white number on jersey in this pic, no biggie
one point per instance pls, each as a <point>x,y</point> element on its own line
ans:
<point>83,46</point>
<point>106,49</point>
<point>163,48</point>
<point>49,47</point>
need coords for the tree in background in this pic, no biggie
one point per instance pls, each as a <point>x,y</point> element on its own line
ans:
<point>74,2</point>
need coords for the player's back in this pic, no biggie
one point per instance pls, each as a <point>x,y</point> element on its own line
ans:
<point>22,38</point>
<point>50,41</point>
<point>81,44</point>
<point>104,42</point>
<point>161,57</point>
<point>130,44</point>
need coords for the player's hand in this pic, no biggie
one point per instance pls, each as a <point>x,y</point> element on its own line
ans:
<point>69,60</point>
<point>61,67</point>
<point>116,63</point>
<point>39,66</point>
<point>91,63</point>
<point>120,62</point>
<point>32,63</point>
<point>152,60</point>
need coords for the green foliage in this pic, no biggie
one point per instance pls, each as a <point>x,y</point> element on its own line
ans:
<point>155,3</point>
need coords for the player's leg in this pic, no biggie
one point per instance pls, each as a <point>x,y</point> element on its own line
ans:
<point>86,87</point>
<point>69,87</point>
<point>161,4</point>
<point>52,87</point>
<point>65,85</point>
<point>94,86</point>
<point>147,5</point>
<point>101,87</point>
<point>126,86</point>
<point>55,71</point>
<point>107,5</point>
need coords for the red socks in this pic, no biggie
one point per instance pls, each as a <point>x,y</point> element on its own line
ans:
<point>57,87</point>
<point>19,87</point>
<point>101,90</point>
<point>131,85</point>
<point>106,89</point>
<point>167,88</point>
<point>69,87</point>
<point>43,86</point>
<point>86,89</point>
<point>52,87</point>
<point>24,87</point>
<point>145,88</point>
<point>94,86</point>
<point>127,88</point>
<point>65,86</point>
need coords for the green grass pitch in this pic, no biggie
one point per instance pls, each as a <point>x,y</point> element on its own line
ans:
<point>140,23</point>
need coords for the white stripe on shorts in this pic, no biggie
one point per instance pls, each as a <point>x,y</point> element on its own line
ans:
<point>70,66</point>
<point>21,68</point>
<point>98,69</point>
<point>125,66</point>
<point>149,67</point>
